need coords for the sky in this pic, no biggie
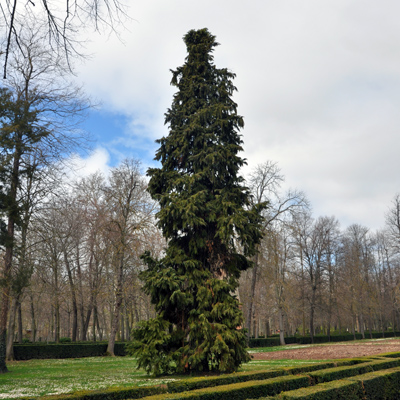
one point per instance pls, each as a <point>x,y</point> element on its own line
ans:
<point>318,87</point>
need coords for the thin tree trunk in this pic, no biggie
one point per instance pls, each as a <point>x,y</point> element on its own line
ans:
<point>19,314</point>
<point>127,325</point>
<point>250,307</point>
<point>11,330</point>
<point>122,325</point>
<point>117,307</point>
<point>94,322</point>
<point>8,256</point>
<point>73,298</point>
<point>281,327</point>
<point>33,321</point>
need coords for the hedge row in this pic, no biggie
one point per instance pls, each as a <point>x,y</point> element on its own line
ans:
<point>240,391</point>
<point>213,381</point>
<point>106,394</point>
<point>67,350</point>
<point>380,385</point>
<point>332,374</point>
<point>274,341</point>
<point>189,384</point>
<point>30,351</point>
<point>336,383</point>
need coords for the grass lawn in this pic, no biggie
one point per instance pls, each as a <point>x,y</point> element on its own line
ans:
<point>45,377</point>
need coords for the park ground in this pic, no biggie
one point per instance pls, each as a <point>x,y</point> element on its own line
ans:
<point>35,378</point>
<point>331,350</point>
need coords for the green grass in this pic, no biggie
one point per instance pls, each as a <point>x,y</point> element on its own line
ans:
<point>45,377</point>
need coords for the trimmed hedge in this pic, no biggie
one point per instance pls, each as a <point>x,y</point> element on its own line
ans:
<point>213,381</point>
<point>379,385</point>
<point>325,381</point>
<point>332,374</point>
<point>106,394</point>
<point>65,350</point>
<point>30,351</point>
<point>240,391</point>
<point>274,340</point>
<point>336,390</point>
<point>270,341</point>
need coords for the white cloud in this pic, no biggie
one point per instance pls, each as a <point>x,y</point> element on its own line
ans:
<point>97,161</point>
<point>318,86</point>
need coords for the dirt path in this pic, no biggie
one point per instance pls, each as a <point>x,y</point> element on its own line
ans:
<point>332,351</point>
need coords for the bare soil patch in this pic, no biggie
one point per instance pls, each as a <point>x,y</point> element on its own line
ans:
<point>332,350</point>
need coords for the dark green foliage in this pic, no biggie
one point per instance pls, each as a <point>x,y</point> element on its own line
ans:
<point>67,350</point>
<point>274,340</point>
<point>65,340</point>
<point>205,214</point>
<point>346,371</point>
<point>380,385</point>
<point>19,134</point>
<point>241,391</point>
<point>114,393</point>
<point>337,390</point>
<point>212,381</point>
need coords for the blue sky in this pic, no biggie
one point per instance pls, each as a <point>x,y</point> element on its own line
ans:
<point>116,134</point>
<point>318,81</point>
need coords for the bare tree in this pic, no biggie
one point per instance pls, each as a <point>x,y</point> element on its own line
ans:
<point>265,184</point>
<point>314,239</point>
<point>34,109</point>
<point>130,210</point>
<point>65,22</point>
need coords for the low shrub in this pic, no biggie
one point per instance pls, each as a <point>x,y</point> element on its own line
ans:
<point>342,372</point>
<point>384,384</point>
<point>212,381</point>
<point>240,391</point>
<point>107,394</point>
<point>337,390</point>
<point>64,350</point>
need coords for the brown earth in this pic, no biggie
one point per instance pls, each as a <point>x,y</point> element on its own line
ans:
<point>332,350</point>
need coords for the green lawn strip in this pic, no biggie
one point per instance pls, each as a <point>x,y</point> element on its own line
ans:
<point>240,391</point>
<point>185,384</point>
<point>106,394</point>
<point>36,378</point>
<point>341,372</point>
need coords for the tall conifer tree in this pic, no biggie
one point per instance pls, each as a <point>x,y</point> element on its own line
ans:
<point>205,215</point>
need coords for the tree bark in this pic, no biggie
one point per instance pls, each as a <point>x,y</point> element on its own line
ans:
<point>8,256</point>
<point>20,331</point>
<point>250,307</point>
<point>33,321</point>
<point>117,307</point>
<point>73,298</point>
<point>281,327</point>
<point>11,330</point>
